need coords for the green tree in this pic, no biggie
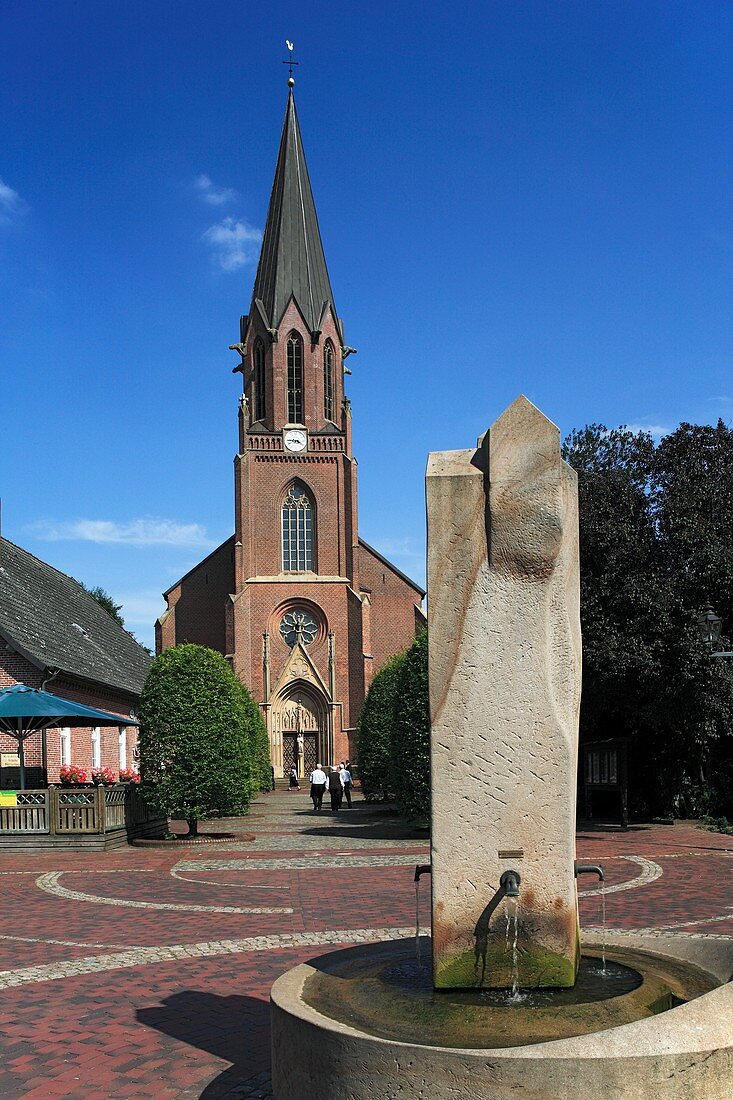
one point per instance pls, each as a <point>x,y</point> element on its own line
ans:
<point>194,740</point>
<point>410,743</point>
<point>374,732</point>
<point>693,493</point>
<point>105,600</point>
<point>656,541</point>
<point>624,591</point>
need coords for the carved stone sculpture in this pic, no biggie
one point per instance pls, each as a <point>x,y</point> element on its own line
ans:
<point>505,671</point>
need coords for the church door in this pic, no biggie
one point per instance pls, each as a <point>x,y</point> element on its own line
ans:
<point>290,757</point>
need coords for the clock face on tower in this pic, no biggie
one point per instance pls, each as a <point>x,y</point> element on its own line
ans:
<point>295,440</point>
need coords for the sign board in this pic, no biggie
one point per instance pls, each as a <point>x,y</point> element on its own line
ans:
<point>9,760</point>
<point>8,798</point>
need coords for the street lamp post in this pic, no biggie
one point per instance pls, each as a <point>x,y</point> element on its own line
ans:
<point>710,626</point>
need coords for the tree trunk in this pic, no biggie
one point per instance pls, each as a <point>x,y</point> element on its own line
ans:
<point>193,826</point>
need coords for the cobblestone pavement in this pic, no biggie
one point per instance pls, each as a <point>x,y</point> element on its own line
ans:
<point>145,973</point>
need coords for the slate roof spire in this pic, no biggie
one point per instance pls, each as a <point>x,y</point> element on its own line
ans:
<point>292,263</point>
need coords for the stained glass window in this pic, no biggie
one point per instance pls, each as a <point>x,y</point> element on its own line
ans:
<point>297,527</point>
<point>295,379</point>
<point>258,404</point>
<point>328,380</point>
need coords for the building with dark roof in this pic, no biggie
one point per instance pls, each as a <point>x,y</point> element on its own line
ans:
<point>54,633</point>
<point>306,611</point>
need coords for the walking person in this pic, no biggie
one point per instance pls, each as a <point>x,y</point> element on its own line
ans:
<point>335,789</point>
<point>293,784</point>
<point>346,783</point>
<point>318,782</point>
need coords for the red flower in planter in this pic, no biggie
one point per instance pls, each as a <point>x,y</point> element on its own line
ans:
<point>104,776</point>
<point>129,775</point>
<point>71,775</point>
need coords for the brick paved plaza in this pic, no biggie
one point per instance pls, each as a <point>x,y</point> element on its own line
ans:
<point>145,973</point>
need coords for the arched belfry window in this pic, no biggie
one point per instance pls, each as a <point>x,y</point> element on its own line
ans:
<point>297,527</point>
<point>328,380</point>
<point>258,378</point>
<point>295,379</point>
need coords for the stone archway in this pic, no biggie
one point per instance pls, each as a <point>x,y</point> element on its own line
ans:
<point>300,728</point>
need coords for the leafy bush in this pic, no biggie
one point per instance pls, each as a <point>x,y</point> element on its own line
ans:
<point>374,733</point>
<point>410,743</point>
<point>259,745</point>
<point>194,741</point>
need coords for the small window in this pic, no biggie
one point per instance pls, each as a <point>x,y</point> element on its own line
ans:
<point>96,748</point>
<point>297,531</point>
<point>65,745</point>
<point>328,380</point>
<point>295,379</point>
<point>123,747</point>
<point>258,381</point>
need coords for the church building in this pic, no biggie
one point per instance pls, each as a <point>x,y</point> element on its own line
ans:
<point>306,611</point>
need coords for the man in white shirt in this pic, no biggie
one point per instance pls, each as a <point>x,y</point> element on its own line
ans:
<point>346,784</point>
<point>318,781</point>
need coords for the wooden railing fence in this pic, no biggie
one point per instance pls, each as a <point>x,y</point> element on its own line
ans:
<point>61,811</point>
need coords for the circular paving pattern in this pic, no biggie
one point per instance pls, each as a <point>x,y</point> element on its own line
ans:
<point>174,952</point>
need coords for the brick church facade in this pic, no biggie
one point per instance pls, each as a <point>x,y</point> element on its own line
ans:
<point>306,611</point>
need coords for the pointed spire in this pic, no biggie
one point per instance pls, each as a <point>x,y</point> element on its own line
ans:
<point>292,262</point>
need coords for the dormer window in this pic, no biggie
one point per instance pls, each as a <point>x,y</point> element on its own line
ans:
<point>328,380</point>
<point>295,379</point>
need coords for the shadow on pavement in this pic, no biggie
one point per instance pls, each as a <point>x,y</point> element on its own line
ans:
<point>235,1029</point>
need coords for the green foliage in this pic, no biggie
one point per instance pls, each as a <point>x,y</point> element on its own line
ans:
<point>194,738</point>
<point>656,542</point>
<point>717,825</point>
<point>105,600</point>
<point>258,744</point>
<point>410,742</point>
<point>374,733</point>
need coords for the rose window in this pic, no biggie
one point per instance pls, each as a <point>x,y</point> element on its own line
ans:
<point>298,626</point>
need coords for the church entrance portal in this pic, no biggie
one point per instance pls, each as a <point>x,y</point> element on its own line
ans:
<point>300,733</point>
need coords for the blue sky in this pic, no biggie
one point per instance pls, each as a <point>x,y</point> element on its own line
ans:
<point>514,197</point>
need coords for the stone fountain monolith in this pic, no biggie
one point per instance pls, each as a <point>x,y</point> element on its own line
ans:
<point>505,671</point>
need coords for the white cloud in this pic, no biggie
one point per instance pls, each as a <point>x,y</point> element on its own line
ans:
<point>147,531</point>
<point>10,203</point>
<point>656,431</point>
<point>142,608</point>
<point>234,243</point>
<point>214,196</point>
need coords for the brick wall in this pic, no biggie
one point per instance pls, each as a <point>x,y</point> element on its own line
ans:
<point>15,669</point>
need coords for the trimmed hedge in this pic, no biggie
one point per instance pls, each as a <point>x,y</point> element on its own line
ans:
<point>374,733</point>
<point>410,743</point>
<point>259,745</point>
<point>195,737</point>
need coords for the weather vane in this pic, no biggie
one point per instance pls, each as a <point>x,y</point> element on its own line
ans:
<point>290,63</point>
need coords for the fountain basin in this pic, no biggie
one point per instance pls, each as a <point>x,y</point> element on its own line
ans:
<point>356,1023</point>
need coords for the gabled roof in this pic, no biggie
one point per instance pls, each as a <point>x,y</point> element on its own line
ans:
<point>292,263</point>
<point>53,622</point>
<point>393,567</point>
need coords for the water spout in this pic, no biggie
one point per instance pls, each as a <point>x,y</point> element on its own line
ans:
<point>589,869</point>
<point>508,888</point>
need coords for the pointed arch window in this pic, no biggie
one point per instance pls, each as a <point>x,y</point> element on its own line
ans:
<point>258,403</point>
<point>295,379</point>
<point>328,380</point>
<point>297,530</point>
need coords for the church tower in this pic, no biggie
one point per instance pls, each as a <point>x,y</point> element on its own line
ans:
<point>311,611</point>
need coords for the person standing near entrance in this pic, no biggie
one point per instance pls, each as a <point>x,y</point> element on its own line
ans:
<point>346,783</point>
<point>318,781</point>
<point>335,789</point>
<point>293,784</point>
